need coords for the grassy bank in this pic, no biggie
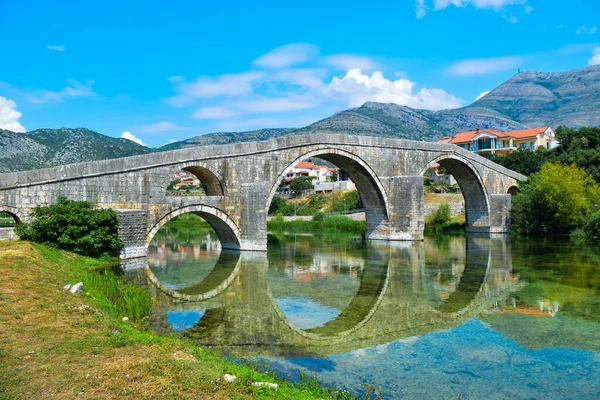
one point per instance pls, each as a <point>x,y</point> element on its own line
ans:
<point>329,224</point>
<point>53,343</point>
<point>336,202</point>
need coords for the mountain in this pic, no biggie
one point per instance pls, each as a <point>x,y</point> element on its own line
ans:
<point>570,98</point>
<point>49,147</point>
<point>528,99</point>
<point>228,137</point>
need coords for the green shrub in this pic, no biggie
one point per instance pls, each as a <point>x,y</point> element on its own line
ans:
<point>592,227</point>
<point>74,226</point>
<point>318,217</point>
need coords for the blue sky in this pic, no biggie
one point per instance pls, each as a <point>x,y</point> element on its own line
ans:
<point>164,71</point>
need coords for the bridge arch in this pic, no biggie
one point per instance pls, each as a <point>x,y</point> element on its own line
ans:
<point>477,204</point>
<point>13,212</point>
<point>208,179</point>
<point>227,231</point>
<point>370,189</point>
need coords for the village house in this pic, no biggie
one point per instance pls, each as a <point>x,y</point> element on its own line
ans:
<point>489,141</point>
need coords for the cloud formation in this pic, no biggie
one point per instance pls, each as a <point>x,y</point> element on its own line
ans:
<point>584,30</point>
<point>129,136</point>
<point>74,89</point>
<point>595,60</point>
<point>358,88</point>
<point>9,116</point>
<point>162,126</point>
<point>483,66</point>
<point>207,87</point>
<point>496,5</point>
<point>286,56</point>
<point>56,48</point>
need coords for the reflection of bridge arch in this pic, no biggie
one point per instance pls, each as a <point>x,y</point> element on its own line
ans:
<point>373,284</point>
<point>219,278</point>
<point>477,203</point>
<point>226,230</point>
<point>370,189</point>
<point>246,318</point>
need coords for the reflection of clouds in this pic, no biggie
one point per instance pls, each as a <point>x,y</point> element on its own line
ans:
<point>305,313</point>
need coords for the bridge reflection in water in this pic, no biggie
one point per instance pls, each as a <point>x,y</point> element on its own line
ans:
<point>404,289</point>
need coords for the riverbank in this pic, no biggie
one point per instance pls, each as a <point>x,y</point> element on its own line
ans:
<point>60,345</point>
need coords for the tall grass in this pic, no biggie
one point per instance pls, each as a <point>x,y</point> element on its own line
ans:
<point>442,223</point>
<point>117,297</point>
<point>320,223</point>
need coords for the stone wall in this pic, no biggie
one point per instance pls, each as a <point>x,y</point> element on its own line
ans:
<point>8,233</point>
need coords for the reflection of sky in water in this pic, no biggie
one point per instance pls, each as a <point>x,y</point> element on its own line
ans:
<point>182,320</point>
<point>469,361</point>
<point>305,313</point>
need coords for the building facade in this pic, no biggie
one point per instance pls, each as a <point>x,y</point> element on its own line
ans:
<point>489,141</point>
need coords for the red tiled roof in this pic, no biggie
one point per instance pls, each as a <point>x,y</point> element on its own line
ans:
<point>464,137</point>
<point>305,164</point>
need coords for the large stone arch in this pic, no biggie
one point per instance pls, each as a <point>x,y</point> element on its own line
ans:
<point>370,189</point>
<point>474,191</point>
<point>227,231</point>
<point>208,179</point>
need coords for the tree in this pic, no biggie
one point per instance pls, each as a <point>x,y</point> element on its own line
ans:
<point>555,201</point>
<point>74,226</point>
<point>301,184</point>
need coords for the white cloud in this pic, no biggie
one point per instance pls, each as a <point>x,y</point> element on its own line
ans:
<point>9,116</point>
<point>496,5</point>
<point>56,48</point>
<point>350,61</point>
<point>214,112</point>
<point>512,19</point>
<point>595,60</point>
<point>286,56</point>
<point>129,136</point>
<point>483,66</point>
<point>162,126</point>
<point>584,30</point>
<point>420,8</point>
<point>74,89</point>
<point>357,89</point>
<point>224,85</point>
<point>482,94</point>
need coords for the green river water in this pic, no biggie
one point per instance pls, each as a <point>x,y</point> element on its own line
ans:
<point>469,317</point>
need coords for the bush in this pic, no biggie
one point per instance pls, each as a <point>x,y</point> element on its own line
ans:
<point>318,217</point>
<point>592,227</point>
<point>557,200</point>
<point>74,226</point>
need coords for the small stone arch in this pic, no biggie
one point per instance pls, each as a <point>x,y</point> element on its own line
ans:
<point>477,205</point>
<point>513,190</point>
<point>14,212</point>
<point>370,189</point>
<point>210,182</point>
<point>227,231</point>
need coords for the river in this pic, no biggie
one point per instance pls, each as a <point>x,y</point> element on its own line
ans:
<point>463,317</point>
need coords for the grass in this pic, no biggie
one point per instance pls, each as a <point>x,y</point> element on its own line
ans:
<point>55,344</point>
<point>329,224</point>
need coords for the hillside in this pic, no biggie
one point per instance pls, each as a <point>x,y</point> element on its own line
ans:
<point>228,137</point>
<point>49,147</point>
<point>570,98</point>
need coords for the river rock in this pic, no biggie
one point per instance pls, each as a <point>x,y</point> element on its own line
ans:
<point>268,384</point>
<point>67,287</point>
<point>77,288</point>
<point>229,378</point>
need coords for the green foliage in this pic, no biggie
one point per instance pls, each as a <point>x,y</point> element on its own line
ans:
<point>523,161</point>
<point>348,201</point>
<point>592,227</point>
<point>318,217</point>
<point>74,226</point>
<point>331,224</point>
<point>117,297</point>
<point>440,223</point>
<point>6,220</point>
<point>301,184</point>
<point>555,201</point>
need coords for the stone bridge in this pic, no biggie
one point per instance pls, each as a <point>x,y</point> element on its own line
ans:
<point>393,301</point>
<point>240,180</point>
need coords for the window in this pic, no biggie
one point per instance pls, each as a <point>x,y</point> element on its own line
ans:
<point>522,145</point>
<point>532,145</point>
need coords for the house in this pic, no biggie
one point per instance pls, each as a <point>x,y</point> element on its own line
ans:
<point>321,173</point>
<point>490,141</point>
